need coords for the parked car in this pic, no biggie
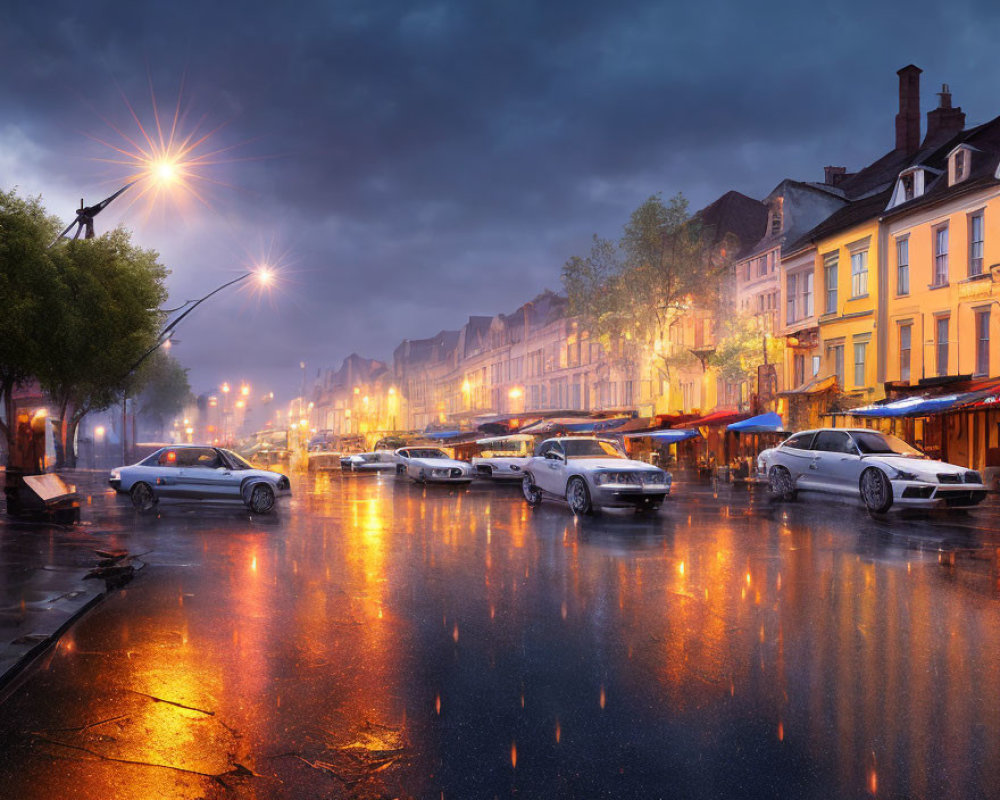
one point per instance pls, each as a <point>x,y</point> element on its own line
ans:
<point>369,462</point>
<point>883,469</point>
<point>590,473</point>
<point>199,472</point>
<point>503,457</point>
<point>431,465</point>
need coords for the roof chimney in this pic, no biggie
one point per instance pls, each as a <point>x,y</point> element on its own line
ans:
<point>944,121</point>
<point>834,175</point>
<point>908,118</point>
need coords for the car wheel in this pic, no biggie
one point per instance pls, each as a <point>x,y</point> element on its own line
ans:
<point>781,484</point>
<point>400,469</point>
<point>531,492</point>
<point>578,496</point>
<point>261,498</point>
<point>143,498</point>
<point>876,491</point>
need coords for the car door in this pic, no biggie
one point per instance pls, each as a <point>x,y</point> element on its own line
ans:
<point>796,456</point>
<point>831,454</point>
<point>846,467</point>
<point>550,475</point>
<point>165,476</point>
<point>204,476</point>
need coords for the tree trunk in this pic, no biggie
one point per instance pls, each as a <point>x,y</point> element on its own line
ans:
<point>60,437</point>
<point>70,427</point>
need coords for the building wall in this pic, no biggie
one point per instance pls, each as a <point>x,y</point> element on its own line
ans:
<point>959,300</point>
<point>850,321</point>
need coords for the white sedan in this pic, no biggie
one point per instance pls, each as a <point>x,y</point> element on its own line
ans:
<point>589,473</point>
<point>431,465</point>
<point>199,472</point>
<point>883,469</point>
<point>375,461</point>
<point>503,457</point>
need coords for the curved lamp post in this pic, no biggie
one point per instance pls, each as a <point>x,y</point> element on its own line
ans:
<point>263,275</point>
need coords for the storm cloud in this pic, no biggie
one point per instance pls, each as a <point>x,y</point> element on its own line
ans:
<point>417,162</point>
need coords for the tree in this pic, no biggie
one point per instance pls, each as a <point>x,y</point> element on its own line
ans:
<point>109,295</point>
<point>741,346</point>
<point>28,286</point>
<point>164,389</point>
<point>628,293</point>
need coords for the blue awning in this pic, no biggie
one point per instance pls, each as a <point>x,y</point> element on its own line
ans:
<point>441,434</point>
<point>910,406</point>
<point>763,423</point>
<point>668,435</point>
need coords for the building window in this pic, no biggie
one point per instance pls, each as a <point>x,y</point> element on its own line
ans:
<point>982,342</point>
<point>902,266</point>
<point>790,295</point>
<point>961,165</point>
<point>975,243</point>
<point>941,256</point>
<point>905,332</point>
<point>908,187</point>
<point>836,356</point>
<point>860,350</point>
<point>799,365</point>
<point>941,345</point>
<point>830,282</point>
<point>807,294</point>
<point>859,273</point>
<point>815,366</point>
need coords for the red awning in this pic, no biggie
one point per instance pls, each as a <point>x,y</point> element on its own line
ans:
<point>721,416</point>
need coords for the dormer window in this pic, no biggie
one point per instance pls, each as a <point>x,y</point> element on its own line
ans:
<point>911,184</point>
<point>776,216</point>
<point>959,164</point>
<point>907,182</point>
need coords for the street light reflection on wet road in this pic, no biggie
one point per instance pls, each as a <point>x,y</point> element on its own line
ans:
<point>380,639</point>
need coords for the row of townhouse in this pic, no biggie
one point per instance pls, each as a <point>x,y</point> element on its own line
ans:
<point>537,359</point>
<point>877,279</point>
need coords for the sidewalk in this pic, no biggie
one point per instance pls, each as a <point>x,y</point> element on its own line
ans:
<point>43,569</point>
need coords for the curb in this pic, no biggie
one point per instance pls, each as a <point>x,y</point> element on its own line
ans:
<point>36,649</point>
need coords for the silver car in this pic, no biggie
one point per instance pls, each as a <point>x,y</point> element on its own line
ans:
<point>369,462</point>
<point>431,465</point>
<point>589,473</point>
<point>199,472</point>
<point>883,469</point>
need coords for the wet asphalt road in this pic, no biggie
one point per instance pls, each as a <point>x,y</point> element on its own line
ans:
<point>379,639</point>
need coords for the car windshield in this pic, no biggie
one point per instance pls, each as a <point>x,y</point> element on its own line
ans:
<point>237,461</point>
<point>427,452</point>
<point>872,442</point>
<point>590,448</point>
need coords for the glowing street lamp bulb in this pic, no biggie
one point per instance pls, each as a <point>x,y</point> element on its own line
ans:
<point>265,276</point>
<point>244,390</point>
<point>164,171</point>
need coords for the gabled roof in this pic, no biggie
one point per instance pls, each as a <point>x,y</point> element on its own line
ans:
<point>734,214</point>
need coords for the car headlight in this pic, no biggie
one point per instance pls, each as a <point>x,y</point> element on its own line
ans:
<point>616,477</point>
<point>654,478</point>
<point>116,474</point>
<point>973,477</point>
<point>440,473</point>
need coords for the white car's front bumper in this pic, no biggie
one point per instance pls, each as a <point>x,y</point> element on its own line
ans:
<point>918,494</point>
<point>626,495</point>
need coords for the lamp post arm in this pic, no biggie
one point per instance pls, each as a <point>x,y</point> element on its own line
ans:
<point>165,333</point>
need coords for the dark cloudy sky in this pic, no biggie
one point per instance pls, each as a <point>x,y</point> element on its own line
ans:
<point>416,162</point>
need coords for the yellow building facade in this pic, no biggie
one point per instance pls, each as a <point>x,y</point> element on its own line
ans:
<point>941,312</point>
<point>846,259</point>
